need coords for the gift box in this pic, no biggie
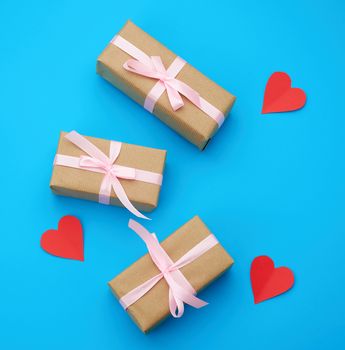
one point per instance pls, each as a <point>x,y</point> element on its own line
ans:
<point>167,86</point>
<point>152,287</point>
<point>109,172</point>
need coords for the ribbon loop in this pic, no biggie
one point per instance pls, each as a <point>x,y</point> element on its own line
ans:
<point>180,290</point>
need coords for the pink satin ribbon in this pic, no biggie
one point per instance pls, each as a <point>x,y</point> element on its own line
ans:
<point>180,290</point>
<point>98,162</point>
<point>152,67</point>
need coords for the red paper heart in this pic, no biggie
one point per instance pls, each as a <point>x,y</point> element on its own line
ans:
<point>66,241</point>
<point>268,281</point>
<point>280,96</point>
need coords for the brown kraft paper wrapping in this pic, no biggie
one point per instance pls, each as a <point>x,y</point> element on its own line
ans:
<point>153,307</point>
<point>85,184</point>
<point>189,121</point>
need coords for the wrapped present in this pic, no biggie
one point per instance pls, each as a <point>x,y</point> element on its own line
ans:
<point>161,282</point>
<point>165,84</point>
<point>108,172</point>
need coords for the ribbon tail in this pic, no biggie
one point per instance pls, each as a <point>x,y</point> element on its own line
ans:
<point>187,297</point>
<point>158,255</point>
<point>122,196</point>
<point>175,304</point>
<point>186,91</point>
<point>105,190</point>
<point>174,98</point>
<point>184,294</point>
<point>87,146</point>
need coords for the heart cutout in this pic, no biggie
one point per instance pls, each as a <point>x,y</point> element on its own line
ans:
<point>280,96</point>
<point>267,280</point>
<point>67,241</point>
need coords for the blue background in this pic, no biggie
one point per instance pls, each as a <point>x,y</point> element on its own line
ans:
<point>266,184</point>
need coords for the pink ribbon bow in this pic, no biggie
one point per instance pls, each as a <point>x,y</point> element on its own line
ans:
<point>180,290</point>
<point>153,67</point>
<point>97,161</point>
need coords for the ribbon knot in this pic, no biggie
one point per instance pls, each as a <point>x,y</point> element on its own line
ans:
<point>180,290</point>
<point>107,167</point>
<point>168,269</point>
<point>153,67</point>
<point>160,70</point>
<point>165,78</point>
<point>91,162</point>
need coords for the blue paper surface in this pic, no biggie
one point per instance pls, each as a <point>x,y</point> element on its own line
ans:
<point>266,184</point>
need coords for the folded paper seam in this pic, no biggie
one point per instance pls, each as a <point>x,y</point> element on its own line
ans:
<point>153,67</point>
<point>180,290</point>
<point>98,162</point>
